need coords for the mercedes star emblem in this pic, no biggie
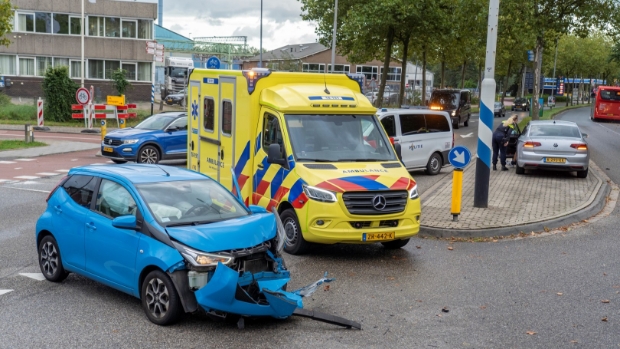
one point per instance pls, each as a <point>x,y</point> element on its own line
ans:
<point>379,202</point>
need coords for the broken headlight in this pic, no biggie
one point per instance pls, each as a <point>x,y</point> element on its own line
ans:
<point>202,259</point>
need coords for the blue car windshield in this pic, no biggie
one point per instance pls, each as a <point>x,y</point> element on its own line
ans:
<point>156,122</point>
<point>190,202</point>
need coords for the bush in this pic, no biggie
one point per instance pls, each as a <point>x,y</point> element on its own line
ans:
<point>4,99</point>
<point>59,91</point>
<point>18,112</point>
<point>119,81</point>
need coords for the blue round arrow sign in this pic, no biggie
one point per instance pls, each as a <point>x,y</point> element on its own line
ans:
<point>459,156</point>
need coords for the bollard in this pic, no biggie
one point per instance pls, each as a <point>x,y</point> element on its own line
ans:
<point>28,133</point>
<point>104,129</point>
<point>457,193</point>
<point>121,123</point>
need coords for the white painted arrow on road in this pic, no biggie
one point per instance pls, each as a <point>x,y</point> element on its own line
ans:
<point>467,135</point>
<point>4,292</point>
<point>460,157</point>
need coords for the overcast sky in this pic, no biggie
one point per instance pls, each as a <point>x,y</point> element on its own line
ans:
<point>282,23</point>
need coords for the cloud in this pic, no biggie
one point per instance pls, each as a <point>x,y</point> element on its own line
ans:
<point>176,27</point>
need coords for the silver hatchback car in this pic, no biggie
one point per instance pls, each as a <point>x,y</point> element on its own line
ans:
<point>553,145</point>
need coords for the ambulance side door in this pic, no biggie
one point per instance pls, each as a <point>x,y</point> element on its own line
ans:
<point>209,135</point>
<point>267,177</point>
<point>193,139</point>
<point>226,155</point>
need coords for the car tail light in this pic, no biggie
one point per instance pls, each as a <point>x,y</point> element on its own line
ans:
<point>61,182</point>
<point>579,146</point>
<point>531,144</point>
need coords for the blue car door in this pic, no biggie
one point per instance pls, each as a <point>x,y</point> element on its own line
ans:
<point>110,251</point>
<point>174,137</point>
<point>70,208</point>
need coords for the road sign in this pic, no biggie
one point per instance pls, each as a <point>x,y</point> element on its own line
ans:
<point>158,58</point>
<point>459,156</point>
<point>151,44</point>
<point>530,55</point>
<point>150,50</point>
<point>82,96</point>
<point>213,63</point>
<point>116,100</point>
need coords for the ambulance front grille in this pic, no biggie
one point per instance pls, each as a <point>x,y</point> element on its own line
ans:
<point>361,202</point>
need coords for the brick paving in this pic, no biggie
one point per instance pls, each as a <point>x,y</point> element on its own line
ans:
<point>513,199</point>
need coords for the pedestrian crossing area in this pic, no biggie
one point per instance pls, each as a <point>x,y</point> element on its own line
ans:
<point>13,170</point>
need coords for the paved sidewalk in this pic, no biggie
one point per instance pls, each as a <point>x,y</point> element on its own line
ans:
<point>52,147</point>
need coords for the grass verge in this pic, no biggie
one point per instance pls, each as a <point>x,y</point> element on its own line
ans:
<point>548,114</point>
<point>14,144</point>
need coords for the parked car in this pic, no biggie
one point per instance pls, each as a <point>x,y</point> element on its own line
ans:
<point>174,238</point>
<point>425,136</point>
<point>179,98</point>
<point>372,96</point>
<point>457,103</point>
<point>499,110</point>
<point>553,145</point>
<point>159,137</point>
<point>522,104</point>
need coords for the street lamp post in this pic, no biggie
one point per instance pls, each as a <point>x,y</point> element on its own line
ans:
<point>260,62</point>
<point>82,30</point>
<point>334,36</point>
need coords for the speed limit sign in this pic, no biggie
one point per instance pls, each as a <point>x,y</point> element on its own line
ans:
<point>82,96</point>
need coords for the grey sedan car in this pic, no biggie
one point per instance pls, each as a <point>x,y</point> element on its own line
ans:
<point>553,145</point>
<point>499,110</point>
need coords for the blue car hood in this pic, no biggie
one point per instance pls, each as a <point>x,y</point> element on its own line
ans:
<point>128,132</point>
<point>231,234</point>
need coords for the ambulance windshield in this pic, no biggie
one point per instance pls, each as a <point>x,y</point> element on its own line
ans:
<point>338,138</point>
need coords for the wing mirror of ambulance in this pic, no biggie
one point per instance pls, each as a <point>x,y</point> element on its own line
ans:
<point>398,149</point>
<point>274,155</point>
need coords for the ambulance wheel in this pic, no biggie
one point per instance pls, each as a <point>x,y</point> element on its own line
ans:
<point>148,155</point>
<point>392,245</point>
<point>119,161</point>
<point>295,243</point>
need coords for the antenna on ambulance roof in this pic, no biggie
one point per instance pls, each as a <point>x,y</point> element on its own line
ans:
<point>325,81</point>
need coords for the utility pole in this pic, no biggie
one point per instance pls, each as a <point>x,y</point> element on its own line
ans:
<point>485,126</point>
<point>260,62</point>
<point>334,36</point>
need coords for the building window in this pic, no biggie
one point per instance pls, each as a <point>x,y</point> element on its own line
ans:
<point>95,26</point>
<point>227,117</point>
<point>144,71</point>
<point>25,22</point>
<point>393,73</point>
<point>339,68</point>
<point>76,69</point>
<point>61,24</point>
<point>145,29</point>
<point>95,69</point>
<point>209,114</point>
<point>369,71</point>
<point>42,64</point>
<point>76,24</point>
<point>131,70</point>
<point>26,66</point>
<point>112,27</point>
<point>43,22</point>
<point>110,67</point>
<point>129,29</point>
<point>61,62</point>
<point>7,65</point>
<point>313,67</point>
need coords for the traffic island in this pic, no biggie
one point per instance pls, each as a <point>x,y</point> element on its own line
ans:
<point>534,202</point>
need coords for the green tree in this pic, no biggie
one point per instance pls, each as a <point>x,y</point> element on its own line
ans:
<point>7,10</point>
<point>119,81</point>
<point>59,91</point>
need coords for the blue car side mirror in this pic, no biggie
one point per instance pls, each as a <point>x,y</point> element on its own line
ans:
<point>125,222</point>
<point>257,209</point>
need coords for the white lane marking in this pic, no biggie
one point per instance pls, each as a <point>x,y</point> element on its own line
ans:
<point>36,276</point>
<point>467,135</point>
<point>62,170</point>
<point>26,159</point>
<point>110,162</point>
<point>26,177</point>
<point>74,159</point>
<point>26,189</point>
<point>607,128</point>
<point>5,292</point>
<point>4,180</point>
<point>48,174</point>
<point>6,162</point>
<point>18,168</point>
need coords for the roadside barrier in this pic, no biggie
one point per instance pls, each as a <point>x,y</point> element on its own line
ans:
<point>103,112</point>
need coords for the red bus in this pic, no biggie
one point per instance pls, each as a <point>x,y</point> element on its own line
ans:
<point>606,103</point>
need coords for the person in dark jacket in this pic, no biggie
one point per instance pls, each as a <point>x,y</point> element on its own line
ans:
<point>500,141</point>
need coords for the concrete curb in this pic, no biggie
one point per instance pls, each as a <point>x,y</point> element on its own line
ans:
<point>595,205</point>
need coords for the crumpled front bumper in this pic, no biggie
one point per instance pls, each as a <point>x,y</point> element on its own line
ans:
<point>223,292</point>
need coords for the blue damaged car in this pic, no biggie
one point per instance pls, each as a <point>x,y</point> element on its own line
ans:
<point>174,238</point>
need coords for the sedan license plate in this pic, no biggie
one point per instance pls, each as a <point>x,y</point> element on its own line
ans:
<point>378,236</point>
<point>108,149</point>
<point>555,160</point>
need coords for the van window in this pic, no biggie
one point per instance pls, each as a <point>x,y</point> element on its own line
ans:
<point>227,117</point>
<point>464,98</point>
<point>608,95</point>
<point>389,125</point>
<point>272,133</point>
<point>209,114</point>
<point>80,189</point>
<point>412,124</point>
<point>445,99</point>
<point>437,123</point>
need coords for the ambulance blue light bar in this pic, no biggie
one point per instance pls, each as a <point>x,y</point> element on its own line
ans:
<point>252,76</point>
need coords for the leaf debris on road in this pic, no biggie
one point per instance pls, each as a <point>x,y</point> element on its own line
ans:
<point>531,333</point>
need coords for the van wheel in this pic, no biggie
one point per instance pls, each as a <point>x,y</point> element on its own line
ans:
<point>466,123</point>
<point>392,245</point>
<point>295,243</point>
<point>434,164</point>
<point>455,124</point>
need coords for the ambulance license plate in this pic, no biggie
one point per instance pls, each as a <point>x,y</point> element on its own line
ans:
<point>555,160</point>
<point>378,236</point>
<point>108,149</point>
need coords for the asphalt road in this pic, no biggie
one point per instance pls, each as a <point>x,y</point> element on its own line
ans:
<point>560,290</point>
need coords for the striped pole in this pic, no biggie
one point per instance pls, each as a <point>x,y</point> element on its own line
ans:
<point>485,126</point>
<point>152,97</point>
<point>40,112</point>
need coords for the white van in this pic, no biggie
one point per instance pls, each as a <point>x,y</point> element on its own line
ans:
<point>425,136</point>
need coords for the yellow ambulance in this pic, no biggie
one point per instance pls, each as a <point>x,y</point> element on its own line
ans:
<point>308,145</point>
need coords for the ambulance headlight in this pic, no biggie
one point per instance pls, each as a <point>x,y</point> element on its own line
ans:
<point>130,141</point>
<point>413,192</point>
<point>319,194</point>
